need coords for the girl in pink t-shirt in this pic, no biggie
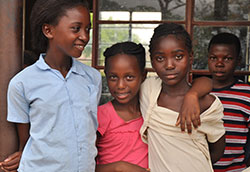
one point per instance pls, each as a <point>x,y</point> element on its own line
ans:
<point>119,142</point>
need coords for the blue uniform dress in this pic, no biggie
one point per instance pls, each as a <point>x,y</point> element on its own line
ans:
<point>62,113</point>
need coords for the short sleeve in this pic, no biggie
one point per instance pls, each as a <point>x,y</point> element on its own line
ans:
<point>212,123</point>
<point>18,107</point>
<point>149,93</point>
<point>103,116</point>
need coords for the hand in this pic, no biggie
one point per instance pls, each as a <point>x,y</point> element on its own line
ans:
<point>128,167</point>
<point>11,163</point>
<point>189,113</point>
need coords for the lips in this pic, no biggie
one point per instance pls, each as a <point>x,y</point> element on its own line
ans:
<point>219,73</point>
<point>121,95</point>
<point>171,76</point>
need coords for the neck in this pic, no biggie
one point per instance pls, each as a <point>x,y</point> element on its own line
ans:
<point>175,90</point>
<point>132,106</point>
<point>217,84</point>
<point>60,63</point>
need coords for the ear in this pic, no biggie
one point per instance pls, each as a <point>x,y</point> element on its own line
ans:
<point>47,30</point>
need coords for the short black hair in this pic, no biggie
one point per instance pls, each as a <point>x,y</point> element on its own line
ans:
<point>228,39</point>
<point>48,12</point>
<point>166,29</point>
<point>129,48</point>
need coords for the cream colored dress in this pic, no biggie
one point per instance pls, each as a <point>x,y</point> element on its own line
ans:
<point>171,150</point>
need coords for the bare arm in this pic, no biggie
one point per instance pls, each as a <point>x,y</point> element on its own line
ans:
<point>11,163</point>
<point>120,166</point>
<point>190,109</point>
<point>217,149</point>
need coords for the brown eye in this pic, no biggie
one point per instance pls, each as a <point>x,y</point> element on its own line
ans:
<point>228,58</point>
<point>76,29</point>
<point>130,77</point>
<point>179,57</point>
<point>213,58</point>
<point>112,77</point>
<point>159,58</point>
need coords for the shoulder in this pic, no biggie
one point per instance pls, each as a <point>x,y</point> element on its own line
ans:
<point>104,115</point>
<point>151,82</point>
<point>23,76</point>
<point>91,72</point>
<point>241,86</point>
<point>105,110</point>
<point>104,107</point>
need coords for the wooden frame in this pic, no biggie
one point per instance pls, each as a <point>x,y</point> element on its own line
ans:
<point>189,22</point>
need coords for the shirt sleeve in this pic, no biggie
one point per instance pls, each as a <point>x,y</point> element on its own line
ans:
<point>145,95</point>
<point>212,123</point>
<point>103,119</point>
<point>18,107</point>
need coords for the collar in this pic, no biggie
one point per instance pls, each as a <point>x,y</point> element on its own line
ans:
<point>75,68</point>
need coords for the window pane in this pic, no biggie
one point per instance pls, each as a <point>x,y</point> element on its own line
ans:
<point>106,96</point>
<point>223,10</point>
<point>202,36</point>
<point>168,9</point>
<point>113,33</point>
<point>114,15</point>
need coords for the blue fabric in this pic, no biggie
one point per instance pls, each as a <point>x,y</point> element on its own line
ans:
<point>62,113</point>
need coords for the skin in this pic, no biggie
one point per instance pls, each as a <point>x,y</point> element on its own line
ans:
<point>124,78</point>
<point>222,61</point>
<point>67,38</point>
<point>171,60</point>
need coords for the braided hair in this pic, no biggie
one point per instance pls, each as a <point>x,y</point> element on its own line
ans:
<point>165,29</point>
<point>129,48</point>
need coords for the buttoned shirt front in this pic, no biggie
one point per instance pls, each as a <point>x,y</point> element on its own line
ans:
<point>62,113</point>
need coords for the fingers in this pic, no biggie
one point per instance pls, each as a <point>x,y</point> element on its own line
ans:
<point>11,163</point>
<point>186,122</point>
<point>10,168</point>
<point>178,121</point>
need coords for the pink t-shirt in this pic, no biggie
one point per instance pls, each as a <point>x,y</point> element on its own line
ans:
<point>121,140</point>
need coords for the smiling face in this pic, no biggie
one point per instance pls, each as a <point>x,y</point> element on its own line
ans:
<point>171,60</point>
<point>124,78</point>
<point>71,34</point>
<point>222,61</point>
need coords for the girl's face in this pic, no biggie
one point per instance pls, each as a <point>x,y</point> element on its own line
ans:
<point>71,34</point>
<point>124,78</point>
<point>171,60</point>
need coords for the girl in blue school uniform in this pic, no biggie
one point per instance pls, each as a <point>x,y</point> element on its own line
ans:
<point>54,101</point>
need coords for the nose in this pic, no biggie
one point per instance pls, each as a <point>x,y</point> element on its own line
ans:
<point>169,64</point>
<point>121,84</point>
<point>84,36</point>
<point>219,63</point>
